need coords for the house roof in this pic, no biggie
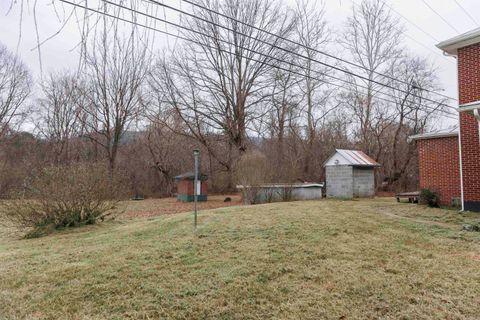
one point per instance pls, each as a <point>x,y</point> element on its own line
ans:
<point>191,176</point>
<point>351,158</point>
<point>452,132</point>
<point>469,106</point>
<point>451,46</point>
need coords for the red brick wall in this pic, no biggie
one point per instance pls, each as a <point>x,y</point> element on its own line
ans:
<point>469,73</point>
<point>439,165</point>
<point>469,87</point>
<point>186,187</point>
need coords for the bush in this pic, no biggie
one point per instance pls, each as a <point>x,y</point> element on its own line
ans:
<point>63,196</point>
<point>287,193</point>
<point>430,198</point>
<point>251,172</point>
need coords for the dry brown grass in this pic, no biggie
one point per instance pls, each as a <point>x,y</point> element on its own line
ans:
<point>300,260</point>
<point>155,207</point>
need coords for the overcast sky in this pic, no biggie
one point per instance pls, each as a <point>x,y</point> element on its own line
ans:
<point>424,29</point>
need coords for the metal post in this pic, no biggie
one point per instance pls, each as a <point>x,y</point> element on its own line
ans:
<point>196,154</point>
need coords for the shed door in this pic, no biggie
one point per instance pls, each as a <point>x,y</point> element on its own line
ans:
<point>198,190</point>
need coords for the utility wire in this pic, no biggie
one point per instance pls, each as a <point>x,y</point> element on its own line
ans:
<point>274,66</point>
<point>439,15</point>
<point>468,14</point>
<point>429,48</point>
<point>292,42</point>
<point>259,53</point>
<point>412,23</point>
<point>255,60</point>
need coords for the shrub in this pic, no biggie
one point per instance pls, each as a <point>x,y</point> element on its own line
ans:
<point>287,193</point>
<point>251,172</point>
<point>63,196</point>
<point>430,198</point>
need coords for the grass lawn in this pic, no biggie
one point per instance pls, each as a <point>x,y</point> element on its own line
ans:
<point>372,259</point>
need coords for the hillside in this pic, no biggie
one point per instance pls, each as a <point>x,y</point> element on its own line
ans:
<point>309,260</point>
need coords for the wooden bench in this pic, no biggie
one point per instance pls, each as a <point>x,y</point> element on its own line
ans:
<point>412,197</point>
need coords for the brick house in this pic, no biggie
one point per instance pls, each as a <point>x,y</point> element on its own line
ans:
<point>439,164</point>
<point>466,48</point>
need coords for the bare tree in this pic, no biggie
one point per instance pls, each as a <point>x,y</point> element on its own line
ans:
<point>164,149</point>
<point>414,112</point>
<point>231,87</point>
<point>393,97</point>
<point>15,87</point>
<point>60,111</point>
<point>217,82</point>
<point>372,37</point>
<point>283,112</point>
<point>116,68</point>
<point>313,36</point>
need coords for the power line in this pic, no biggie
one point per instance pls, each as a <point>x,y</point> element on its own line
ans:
<point>289,51</point>
<point>468,14</point>
<point>259,53</point>
<point>412,23</point>
<point>292,42</point>
<point>274,66</point>
<point>255,60</point>
<point>434,52</point>
<point>429,48</point>
<point>423,31</point>
<point>441,17</point>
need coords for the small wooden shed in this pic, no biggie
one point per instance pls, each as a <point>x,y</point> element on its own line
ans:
<point>350,174</point>
<point>185,187</point>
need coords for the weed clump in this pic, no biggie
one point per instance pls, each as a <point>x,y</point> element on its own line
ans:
<point>62,197</point>
<point>430,198</point>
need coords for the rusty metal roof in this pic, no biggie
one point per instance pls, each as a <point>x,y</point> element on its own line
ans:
<point>357,158</point>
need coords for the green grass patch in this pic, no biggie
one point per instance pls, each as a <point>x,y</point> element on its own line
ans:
<point>310,260</point>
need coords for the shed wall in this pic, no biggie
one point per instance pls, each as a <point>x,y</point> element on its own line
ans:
<point>185,191</point>
<point>277,194</point>
<point>312,193</point>
<point>363,182</point>
<point>339,181</point>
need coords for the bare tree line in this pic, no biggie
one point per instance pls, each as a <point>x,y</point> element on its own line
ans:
<point>228,88</point>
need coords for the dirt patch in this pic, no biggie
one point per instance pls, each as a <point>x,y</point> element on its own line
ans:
<point>155,207</point>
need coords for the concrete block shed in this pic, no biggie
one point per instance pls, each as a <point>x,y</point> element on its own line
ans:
<point>350,174</point>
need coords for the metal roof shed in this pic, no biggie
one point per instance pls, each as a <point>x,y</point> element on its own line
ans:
<point>350,174</point>
<point>186,187</point>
